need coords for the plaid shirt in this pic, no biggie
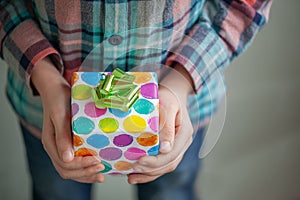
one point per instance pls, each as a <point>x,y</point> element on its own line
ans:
<point>204,36</point>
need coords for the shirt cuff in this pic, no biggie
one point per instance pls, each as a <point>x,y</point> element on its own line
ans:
<point>24,47</point>
<point>202,53</point>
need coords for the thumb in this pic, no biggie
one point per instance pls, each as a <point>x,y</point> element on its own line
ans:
<point>63,139</point>
<point>167,128</point>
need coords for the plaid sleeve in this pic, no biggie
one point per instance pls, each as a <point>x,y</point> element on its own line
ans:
<point>224,29</point>
<point>22,43</point>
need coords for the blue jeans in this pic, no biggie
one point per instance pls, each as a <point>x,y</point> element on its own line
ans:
<point>48,185</point>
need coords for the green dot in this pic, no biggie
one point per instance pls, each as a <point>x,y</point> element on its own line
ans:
<point>107,167</point>
<point>108,125</point>
<point>81,92</point>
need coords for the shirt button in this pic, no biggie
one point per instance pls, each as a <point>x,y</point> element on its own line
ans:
<point>115,39</point>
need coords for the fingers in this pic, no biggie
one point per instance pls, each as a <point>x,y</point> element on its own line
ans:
<point>63,136</point>
<point>83,169</point>
<point>167,127</point>
<point>56,136</point>
<point>175,131</point>
<point>168,111</point>
<point>155,165</point>
<point>145,176</point>
<point>140,178</point>
<point>96,178</point>
<point>152,167</point>
<point>81,172</point>
<point>80,163</point>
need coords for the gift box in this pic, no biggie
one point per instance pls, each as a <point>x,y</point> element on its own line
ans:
<point>115,116</point>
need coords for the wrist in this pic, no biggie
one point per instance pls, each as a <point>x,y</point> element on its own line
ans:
<point>179,81</point>
<point>45,76</point>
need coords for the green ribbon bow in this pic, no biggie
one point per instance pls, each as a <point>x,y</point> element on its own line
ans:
<point>116,91</point>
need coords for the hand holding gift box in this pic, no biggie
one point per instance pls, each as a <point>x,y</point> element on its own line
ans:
<point>115,116</point>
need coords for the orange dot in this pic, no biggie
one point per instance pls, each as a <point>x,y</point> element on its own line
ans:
<point>141,77</point>
<point>85,152</point>
<point>75,78</point>
<point>123,166</point>
<point>251,2</point>
<point>147,139</point>
<point>77,140</point>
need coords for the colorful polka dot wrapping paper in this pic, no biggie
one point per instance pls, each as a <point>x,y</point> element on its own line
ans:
<point>119,138</point>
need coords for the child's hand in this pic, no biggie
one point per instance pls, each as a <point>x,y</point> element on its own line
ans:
<point>176,129</point>
<point>56,135</point>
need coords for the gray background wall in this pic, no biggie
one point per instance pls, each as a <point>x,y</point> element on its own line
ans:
<point>257,155</point>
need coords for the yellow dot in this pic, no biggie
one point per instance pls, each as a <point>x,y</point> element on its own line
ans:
<point>123,166</point>
<point>134,124</point>
<point>141,77</point>
<point>108,125</point>
<point>81,92</point>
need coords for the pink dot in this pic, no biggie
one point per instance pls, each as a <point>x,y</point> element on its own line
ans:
<point>110,153</point>
<point>92,111</point>
<point>154,123</point>
<point>75,108</point>
<point>134,153</point>
<point>149,91</point>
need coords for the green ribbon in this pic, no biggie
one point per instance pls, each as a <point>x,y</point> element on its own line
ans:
<point>116,91</point>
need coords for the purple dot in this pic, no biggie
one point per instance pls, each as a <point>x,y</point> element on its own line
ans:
<point>92,111</point>
<point>110,153</point>
<point>123,140</point>
<point>149,91</point>
<point>134,153</point>
<point>115,173</point>
<point>154,123</point>
<point>75,108</point>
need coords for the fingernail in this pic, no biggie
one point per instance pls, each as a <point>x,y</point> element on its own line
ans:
<point>165,147</point>
<point>142,162</point>
<point>95,163</point>
<point>138,170</point>
<point>67,156</point>
<point>133,182</point>
<point>99,168</point>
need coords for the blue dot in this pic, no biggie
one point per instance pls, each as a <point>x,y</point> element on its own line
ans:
<point>153,151</point>
<point>155,77</point>
<point>91,78</point>
<point>97,141</point>
<point>143,106</point>
<point>83,125</point>
<point>119,113</point>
